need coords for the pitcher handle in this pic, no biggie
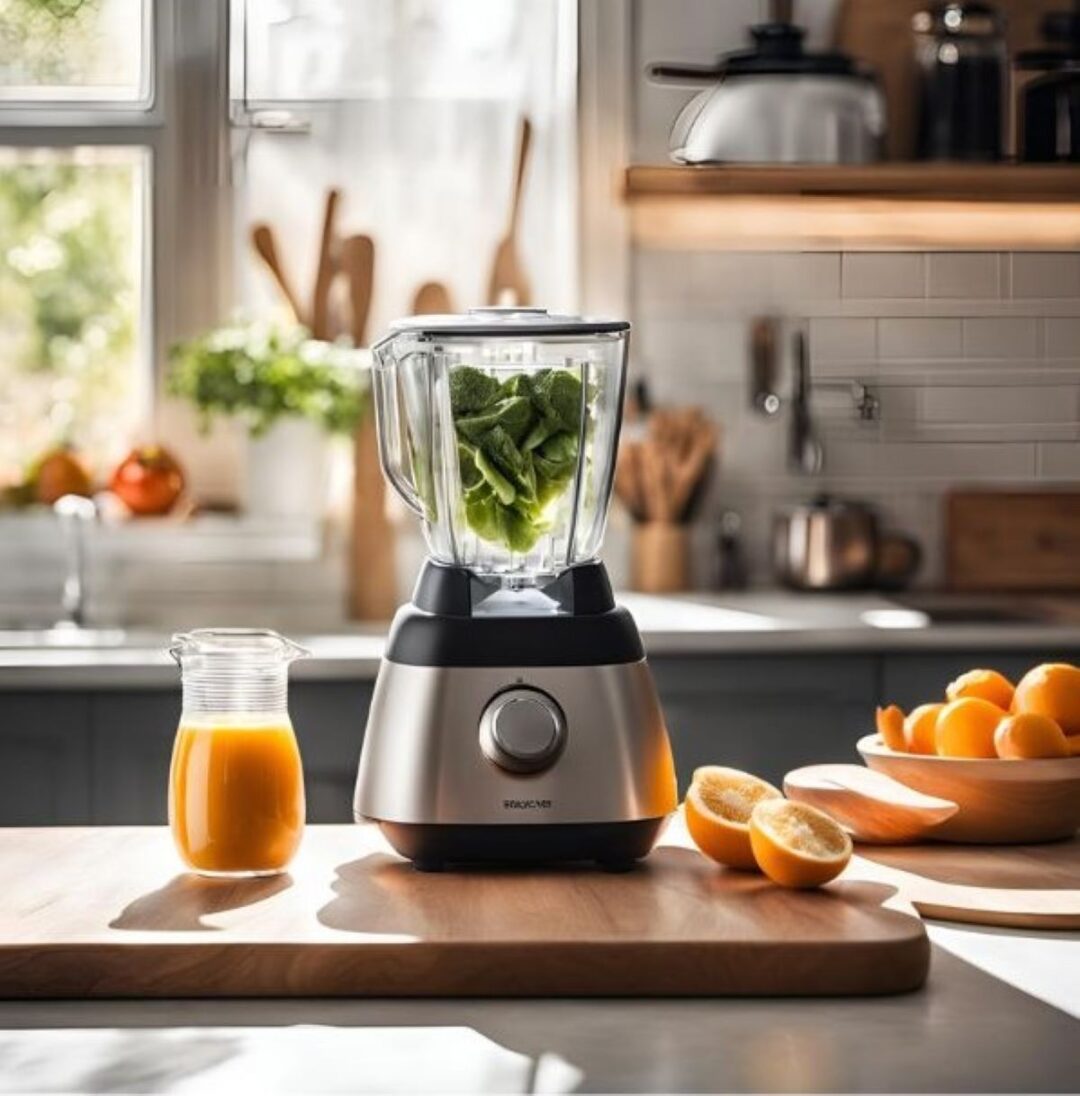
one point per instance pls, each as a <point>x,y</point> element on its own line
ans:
<point>391,431</point>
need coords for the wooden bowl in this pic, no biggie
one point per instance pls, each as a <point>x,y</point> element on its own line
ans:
<point>1001,802</point>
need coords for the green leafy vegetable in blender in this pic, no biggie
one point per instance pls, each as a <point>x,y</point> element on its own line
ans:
<point>518,444</point>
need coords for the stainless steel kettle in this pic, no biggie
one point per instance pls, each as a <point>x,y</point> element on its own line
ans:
<point>836,544</point>
<point>777,103</point>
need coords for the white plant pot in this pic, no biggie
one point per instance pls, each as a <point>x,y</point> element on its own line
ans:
<point>288,471</point>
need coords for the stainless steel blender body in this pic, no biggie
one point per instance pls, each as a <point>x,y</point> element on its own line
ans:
<point>514,716</point>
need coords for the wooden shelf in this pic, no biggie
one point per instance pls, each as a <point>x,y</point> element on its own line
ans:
<point>967,207</point>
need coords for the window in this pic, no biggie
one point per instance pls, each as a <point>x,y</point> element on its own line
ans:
<point>57,51</point>
<point>75,156</point>
<point>71,312</point>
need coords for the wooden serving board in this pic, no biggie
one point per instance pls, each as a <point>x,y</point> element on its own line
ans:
<point>1013,540</point>
<point>108,913</point>
<point>1012,886</point>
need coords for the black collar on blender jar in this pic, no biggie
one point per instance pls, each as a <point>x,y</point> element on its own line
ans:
<point>511,323</point>
<point>444,624</point>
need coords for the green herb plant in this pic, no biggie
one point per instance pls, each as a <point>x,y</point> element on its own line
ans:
<point>261,373</point>
<point>518,445</point>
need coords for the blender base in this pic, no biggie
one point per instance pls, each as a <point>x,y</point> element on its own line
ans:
<point>613,846</point>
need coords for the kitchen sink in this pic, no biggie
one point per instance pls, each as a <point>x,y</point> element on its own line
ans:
<point>952,609</point>
<point>74,637</point>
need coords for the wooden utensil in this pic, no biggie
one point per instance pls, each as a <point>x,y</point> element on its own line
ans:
<point>108,911</point>
<point>1023,886</point>
<point>358,266</point>
<point>873,807</point>
<point>262,239</point>
<point>432,299</point>
<point>508,284</point>
<point>1012,540</point>
<point>325,270</point>
<point>1001,802</point>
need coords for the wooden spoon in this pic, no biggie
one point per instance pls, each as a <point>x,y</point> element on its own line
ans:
<point>873,807</point>
<point>358,266</point>
<point>325,270</point>
<point>508,284</point>
<point>432,299</point>
<point>262,239</point>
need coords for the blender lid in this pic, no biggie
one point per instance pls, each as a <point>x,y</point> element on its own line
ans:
<point>509,323</point>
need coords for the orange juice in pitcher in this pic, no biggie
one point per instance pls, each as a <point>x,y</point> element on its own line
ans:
<point>236,786</point>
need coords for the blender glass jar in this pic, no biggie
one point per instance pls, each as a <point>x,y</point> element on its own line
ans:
<point>500,428</point>
<point>236,785</point>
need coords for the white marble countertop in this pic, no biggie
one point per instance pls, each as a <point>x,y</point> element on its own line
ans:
<point>752,622</point>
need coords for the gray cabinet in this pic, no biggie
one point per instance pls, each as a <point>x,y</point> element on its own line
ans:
<point>329,717</point>
<point>765,714</point>
<point>44,759</point>
<point>133,735</point>
<point>103,756</point>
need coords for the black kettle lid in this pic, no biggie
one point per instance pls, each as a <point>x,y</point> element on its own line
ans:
<point>778,50</point>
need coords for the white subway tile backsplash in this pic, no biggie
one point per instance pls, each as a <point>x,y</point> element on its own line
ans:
<point>836,339</point>
<point>733,276</point>
<point>920,338</point>
<point>1001,337</point>
<point>886,274</point>
<point>1008,404</point>
<point>1062,337</point>
<point>1046,274</point>
<point>963,274</point>
<point>806,275</point>
<point>1059,460</point>
<point>930,460</point>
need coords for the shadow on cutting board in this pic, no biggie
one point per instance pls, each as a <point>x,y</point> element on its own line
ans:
<point>186,899</point>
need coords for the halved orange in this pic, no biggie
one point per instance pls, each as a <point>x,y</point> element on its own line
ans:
<point>890,725</point>
<point>1029,734</point>
<point>718,808</point>
<point>920,729</point>
<point>984,684</point>
<point>797,845</point>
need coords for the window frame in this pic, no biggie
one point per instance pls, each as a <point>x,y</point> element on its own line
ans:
<point>187,71</point>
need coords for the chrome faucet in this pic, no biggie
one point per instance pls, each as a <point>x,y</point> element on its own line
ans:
<point>76,515</point>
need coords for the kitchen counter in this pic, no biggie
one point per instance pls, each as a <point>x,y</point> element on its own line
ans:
<point>999,1014</point>
<point>690,625</point>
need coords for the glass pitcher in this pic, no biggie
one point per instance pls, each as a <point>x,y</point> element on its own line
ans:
<point>499,429</point>
<point>236,785</point>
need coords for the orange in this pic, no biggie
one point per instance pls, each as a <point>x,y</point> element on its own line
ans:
<point>1029,735</point>
<point>718,807</point>
<point>920,729</point>
<point>890,725</point>
<point>1052,689</point>
<point>985,684</point>
<point>1072,744</point>
<point>797,845</point>
<point>965,728</point>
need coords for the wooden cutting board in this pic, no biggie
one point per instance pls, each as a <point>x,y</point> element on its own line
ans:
<point>107,913</point>
<point>1011,886</point>
<point>1012,540</point>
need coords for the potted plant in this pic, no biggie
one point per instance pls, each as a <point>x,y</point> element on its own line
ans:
<point>292,392</point>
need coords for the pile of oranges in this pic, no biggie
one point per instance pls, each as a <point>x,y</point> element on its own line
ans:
<point>985,716</point>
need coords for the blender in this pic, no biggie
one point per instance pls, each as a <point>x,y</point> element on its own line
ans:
<point>514,717</point>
